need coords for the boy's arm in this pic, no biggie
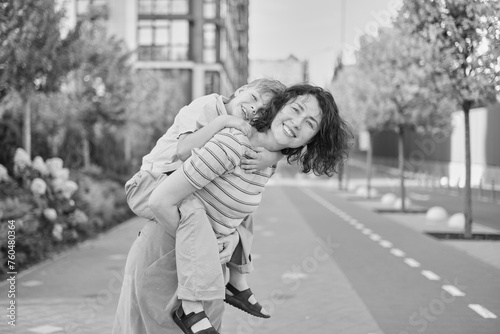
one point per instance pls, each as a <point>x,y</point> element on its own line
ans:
<point>259,158</point>
<point>197,139</point>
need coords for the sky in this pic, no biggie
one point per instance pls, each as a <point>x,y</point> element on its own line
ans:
<point>312,30</point>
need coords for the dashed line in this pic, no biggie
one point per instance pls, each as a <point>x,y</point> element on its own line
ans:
<point>453,290</point>
<point>412,262</point>
<point>483,311</point>
<point>366,231</point>
<point>385,244</point>
<point>397,252</point>
<point>430,275</point>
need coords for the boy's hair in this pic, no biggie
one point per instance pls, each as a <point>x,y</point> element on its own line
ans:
<point>328,147</point>
<point>265,86</point>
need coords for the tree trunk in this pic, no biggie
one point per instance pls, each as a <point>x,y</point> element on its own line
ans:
<point>369,164</point>
<point>27,122</point>
<point>468,195</point>
<point>401,158</point>
<point>340,174</point>
<point>86,150</point>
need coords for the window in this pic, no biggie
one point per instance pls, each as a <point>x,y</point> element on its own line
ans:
<point>163,39</point>
<point>209,43</point>
<point>209,9</point>
<point>212,82</point>
<point>163,7</point>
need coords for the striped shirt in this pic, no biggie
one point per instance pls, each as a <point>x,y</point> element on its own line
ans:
<point>226,191</point>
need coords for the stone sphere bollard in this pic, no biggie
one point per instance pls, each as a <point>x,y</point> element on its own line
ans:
<point>457,221</point>
<point>388,199</point>
<point>436,214</point>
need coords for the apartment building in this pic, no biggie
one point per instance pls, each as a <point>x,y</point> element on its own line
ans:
<point>202,45</point>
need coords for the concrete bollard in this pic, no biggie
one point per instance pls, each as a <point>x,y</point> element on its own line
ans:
<point>388,199</point>
<point>457,221</point>
<point>436,214</point>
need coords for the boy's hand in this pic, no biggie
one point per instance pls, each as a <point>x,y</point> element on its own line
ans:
<point>238,123</point>
<point>227,245</point>
<point>258,159</point>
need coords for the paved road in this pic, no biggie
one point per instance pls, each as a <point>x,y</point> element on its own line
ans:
<point>324,264</point>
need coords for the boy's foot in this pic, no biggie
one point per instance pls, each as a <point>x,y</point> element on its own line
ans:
<point>245,301</point>
<point>192,319</point>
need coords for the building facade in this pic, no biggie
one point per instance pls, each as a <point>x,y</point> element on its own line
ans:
<point>202,45</point>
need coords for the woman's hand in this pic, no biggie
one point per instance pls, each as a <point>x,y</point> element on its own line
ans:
<point>227,245</point>
<point>259,158</point>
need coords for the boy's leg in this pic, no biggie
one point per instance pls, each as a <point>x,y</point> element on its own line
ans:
<point>241,260</point>
<point>139,188</point>
<point>197,255</point>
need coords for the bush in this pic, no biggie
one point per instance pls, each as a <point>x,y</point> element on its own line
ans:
<point>52,212</point>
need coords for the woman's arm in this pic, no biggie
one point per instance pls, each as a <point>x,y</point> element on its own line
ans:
<point>199,138</point>
<point>167,194</point>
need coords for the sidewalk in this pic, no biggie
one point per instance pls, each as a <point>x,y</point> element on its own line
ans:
<point>315,272</point>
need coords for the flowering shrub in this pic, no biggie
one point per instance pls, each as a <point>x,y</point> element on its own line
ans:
<point>50,210</point>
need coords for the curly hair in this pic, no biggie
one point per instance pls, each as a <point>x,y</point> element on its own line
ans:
<point>329,147</point>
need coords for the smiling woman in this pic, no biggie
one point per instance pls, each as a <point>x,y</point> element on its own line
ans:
<point>325,140</point>
<point>207,198</point>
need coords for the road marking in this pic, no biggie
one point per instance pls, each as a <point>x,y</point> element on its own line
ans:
<point>366,231</point>
<point>412,262</point>
<point>375,237</point>
<point>32,283</point>
<point>397,252</point>
<point>385,243</point>
<point>453,290</point>
<point>430,275</point>
<point>45,329</point>
<point>483,311</point>
<point>354,221</point>
<point>359,226</point>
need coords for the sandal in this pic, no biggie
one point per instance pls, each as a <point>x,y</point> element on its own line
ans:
<point>239,299</point>
<point>186,321</point>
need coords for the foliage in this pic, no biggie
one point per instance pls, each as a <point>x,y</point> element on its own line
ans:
<point>465,39</point>
<point>397,70</point>
<point>52,212</point>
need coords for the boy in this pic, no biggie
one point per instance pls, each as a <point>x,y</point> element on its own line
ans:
<point>193,127</point>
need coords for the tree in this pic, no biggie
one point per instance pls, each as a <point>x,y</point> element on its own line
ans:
<point>100,88</point>
<point>33,56</point>
<point>396,66</point>
<point>465,38</point>
<point>361,105</point>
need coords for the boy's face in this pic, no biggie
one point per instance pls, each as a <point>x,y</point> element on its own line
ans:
<point>246,102</point>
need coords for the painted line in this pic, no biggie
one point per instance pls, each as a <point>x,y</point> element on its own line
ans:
<point>412,262</point>
<point>483,311</point>
<point>385,244</point>
<point>430,275</point>
<point>354,221</point>
<point>453,290</point>
<point>359,226</point>
<point>397,252</point>
<point>375,237</point>
<point>366,231</point>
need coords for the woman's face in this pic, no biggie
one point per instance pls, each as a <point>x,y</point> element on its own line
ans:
<point>297,122</point>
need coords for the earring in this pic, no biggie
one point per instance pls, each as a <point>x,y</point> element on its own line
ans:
<point>254,112</point>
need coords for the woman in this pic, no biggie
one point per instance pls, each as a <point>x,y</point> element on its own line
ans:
<point>304,117</point>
